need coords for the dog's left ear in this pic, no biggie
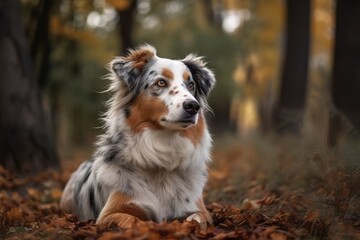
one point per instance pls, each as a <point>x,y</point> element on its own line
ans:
<point>129,67</point>
<point>203,77</point>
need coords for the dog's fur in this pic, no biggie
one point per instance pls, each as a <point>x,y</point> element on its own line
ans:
<point>150,164</point>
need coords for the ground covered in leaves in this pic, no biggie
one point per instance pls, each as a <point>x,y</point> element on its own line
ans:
<point>253,193</point>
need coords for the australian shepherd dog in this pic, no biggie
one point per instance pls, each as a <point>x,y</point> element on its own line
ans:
<point>150,163</point>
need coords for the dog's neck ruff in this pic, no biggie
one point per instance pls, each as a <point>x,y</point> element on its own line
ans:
<point>168,150</point>
<point>156,148</point>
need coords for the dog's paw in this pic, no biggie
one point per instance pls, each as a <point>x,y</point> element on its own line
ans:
<point>194,217</point>
<point>199,218</point>
<point>122,220</point>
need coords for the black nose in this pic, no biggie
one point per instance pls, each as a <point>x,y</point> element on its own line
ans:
<point>192,107</point>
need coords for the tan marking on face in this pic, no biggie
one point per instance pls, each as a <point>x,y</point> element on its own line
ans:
<point>167,73</point>
<point>186,76</point>
<point>146,112</point>
<point>195,133</point>
<point>120,211</point>
<point>171,92</point>
<point>140,57</point>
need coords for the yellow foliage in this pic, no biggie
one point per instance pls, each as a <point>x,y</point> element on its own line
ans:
<point>271,14</point>
<point>235,4</point>
<point>322,25</point>
<point>58,28</point>
<point>119,4</point>
<point>260,66</point>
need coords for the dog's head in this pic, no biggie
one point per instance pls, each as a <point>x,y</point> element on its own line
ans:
<point>161,93</point>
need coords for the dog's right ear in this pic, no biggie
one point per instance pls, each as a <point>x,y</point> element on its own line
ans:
<point>129,67</point>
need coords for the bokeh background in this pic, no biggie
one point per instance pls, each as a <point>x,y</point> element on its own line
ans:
<point>244,43</point>
<point>286,105</point>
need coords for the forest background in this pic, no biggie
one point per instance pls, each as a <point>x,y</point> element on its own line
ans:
<point>286,106</point>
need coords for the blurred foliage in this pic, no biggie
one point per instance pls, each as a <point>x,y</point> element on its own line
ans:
<point>242,43</point>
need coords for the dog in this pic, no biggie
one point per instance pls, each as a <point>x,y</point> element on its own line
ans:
<point>150,164</point>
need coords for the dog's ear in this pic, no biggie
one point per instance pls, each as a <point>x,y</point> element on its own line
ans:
<point>129,67</point>
<point>203,77</point>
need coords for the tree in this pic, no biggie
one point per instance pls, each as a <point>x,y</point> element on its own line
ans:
<point>126,23</point>
<point>25,142</point>
<point>291,102</point>
<point>346,69</point>
<point>41,40</point>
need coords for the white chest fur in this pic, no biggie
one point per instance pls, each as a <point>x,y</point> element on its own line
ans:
<point>168,173</point>
<point>168,150</point>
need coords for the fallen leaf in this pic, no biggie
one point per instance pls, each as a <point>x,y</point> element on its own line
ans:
<point>250,205</point>
<point>278,236</point>
<point>56,194</point>
<point>34,194</point>
<point>14,214</point>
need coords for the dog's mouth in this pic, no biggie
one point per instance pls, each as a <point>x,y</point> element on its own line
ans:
<point>183,123</point>
<point>186,123</point>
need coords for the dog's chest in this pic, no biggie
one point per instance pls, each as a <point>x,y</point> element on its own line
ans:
<point>172,194</point>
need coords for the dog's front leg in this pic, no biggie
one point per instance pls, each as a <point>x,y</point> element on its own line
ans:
<point>119,210</point>
<point>203,216</point>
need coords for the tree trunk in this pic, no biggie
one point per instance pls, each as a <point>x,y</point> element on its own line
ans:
<point>25,144</point>
<point>126,25</point>
<point>41,42</point>
<point>291,102</point>
<point>346,70</point>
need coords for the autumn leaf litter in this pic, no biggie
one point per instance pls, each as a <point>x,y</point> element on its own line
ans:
<point>29,209</point>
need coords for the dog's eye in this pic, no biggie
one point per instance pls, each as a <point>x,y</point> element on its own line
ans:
<point>161,83</point>
<point>191,86</point>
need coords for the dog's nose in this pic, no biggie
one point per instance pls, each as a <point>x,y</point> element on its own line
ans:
<point>192,107</point>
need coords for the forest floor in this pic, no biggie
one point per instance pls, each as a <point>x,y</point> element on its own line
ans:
<point>256,190</point>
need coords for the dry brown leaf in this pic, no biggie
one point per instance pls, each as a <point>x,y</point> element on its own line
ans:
<point>56,194</point>
<point>14,214</point>
<point>268,231</point>
<point>250,205</point>
<point>278,236</point>
<point>312,216</point>
<point>16,197</point>
<point>221,236</point>
<point>229,189</point>
<point>267,200</point>
<point>219,174</point>
<point>34,194</point>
